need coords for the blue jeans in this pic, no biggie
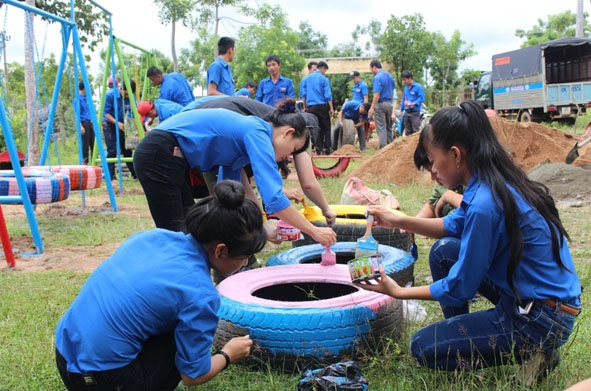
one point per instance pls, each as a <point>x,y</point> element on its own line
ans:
<point>486,338</point>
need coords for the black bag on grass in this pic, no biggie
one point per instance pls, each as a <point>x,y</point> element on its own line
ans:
<point>342,376</point>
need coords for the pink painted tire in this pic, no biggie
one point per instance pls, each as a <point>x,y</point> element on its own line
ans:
<point>304,314</point>
<point>81,177</point>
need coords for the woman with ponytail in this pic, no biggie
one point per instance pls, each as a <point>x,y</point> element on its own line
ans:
<point>505,241</point>
<point>220,139</point>
<point>146,317</point>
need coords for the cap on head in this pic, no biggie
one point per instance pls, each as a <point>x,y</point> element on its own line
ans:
<point>354,74</point>
<point>143,109</point>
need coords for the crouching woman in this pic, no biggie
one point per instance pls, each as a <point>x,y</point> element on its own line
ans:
<point>146,317</point>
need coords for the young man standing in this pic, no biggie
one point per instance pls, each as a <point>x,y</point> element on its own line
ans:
<point>381,105</point>
<point>173,86</point>
<point>219,73</point>
<point>360,89</point>
<point>275,87</point>
<point>412,99</point>
<point>86,128</point>
<point>317,99</point>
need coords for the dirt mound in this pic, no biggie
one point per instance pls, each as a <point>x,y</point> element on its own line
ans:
<point>530,145</point>
<point>346,150</point>
<point>566,182</point>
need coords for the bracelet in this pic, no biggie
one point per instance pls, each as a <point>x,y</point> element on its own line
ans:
<point>226,357</point>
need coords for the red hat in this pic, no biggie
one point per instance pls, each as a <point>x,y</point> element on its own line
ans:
<point>110,81</point>
<point>144,108</point>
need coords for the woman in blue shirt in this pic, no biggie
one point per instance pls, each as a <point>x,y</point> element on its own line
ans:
<point>147,316</point>
<point>210,138</point>
<point>505,240</point>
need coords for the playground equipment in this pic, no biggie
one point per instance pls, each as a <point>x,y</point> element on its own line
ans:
<point>69,32</point>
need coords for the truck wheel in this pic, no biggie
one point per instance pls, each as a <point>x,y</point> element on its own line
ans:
<point>525,116</point>
<point>347,133</point>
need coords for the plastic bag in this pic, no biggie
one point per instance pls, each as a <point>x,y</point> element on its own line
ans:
<point>342,376</point>
<point>357,193</point>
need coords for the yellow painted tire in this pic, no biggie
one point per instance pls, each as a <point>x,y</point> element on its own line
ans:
<point>346,214</point>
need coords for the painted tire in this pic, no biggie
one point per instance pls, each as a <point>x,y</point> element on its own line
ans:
<point>347,133</point>
<point>43,187</point>
<point>346,214</point>
<point>81,177</point>
<point>293,335</point>
<point>399,265</point>
<point>339,167</point>
<point>352,232</point>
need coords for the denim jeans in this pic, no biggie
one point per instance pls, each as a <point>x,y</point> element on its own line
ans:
<point>109,132</point>
<point>153,369</point>
<point>486,338</point>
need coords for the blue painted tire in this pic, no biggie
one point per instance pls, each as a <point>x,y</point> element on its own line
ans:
<point>293,335</point>
<point>43,186</point>
<point>399,265</point>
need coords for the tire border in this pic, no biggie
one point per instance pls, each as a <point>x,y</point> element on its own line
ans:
<point>82,177</point>
<point>44,187</point>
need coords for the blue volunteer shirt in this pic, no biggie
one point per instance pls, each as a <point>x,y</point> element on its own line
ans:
<point>479,223</point>
<point>415,94</point>
<point>84,109</point>
<point>383,83</point>
<point>166,108</point>
<point>351,110</point>
<point>317,89</point>
<point>242,92</point>
<point>360,90</point>
<point>220,73</point>
<point>270,93</point>
<point>212,138</point>
<point>155,283</point>
<point>176,88</point>
<point>110,97</point>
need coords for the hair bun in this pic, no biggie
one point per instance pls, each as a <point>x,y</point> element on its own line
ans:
<point>230,194</point>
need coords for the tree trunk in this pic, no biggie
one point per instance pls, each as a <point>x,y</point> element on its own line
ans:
<point>173,47</point>
<point>31,92</point>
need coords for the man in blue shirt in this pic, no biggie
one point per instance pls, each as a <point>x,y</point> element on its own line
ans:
<point>275,87</point>
<point>248,90</point>
<point>381,105</point>
<point>160,108</point>
<point>356,112</point>
<point>412,99</point>
<point>219,73</point>
<point>360,89</point>
<point>317,99</point>
<point>173,86</point>
<point>312,66</point>
<point>86,128</point>
<point>113,119</point>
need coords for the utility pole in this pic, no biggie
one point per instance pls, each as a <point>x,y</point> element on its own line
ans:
<point>580,20</point>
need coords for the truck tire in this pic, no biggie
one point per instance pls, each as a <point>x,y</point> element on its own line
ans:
<point>302,315</point>
<point>347,135</point>
<point>525,116</point>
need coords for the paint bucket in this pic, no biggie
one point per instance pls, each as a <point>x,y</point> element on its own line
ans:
<point>365,268</point>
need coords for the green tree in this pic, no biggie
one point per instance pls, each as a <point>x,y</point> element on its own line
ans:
<point>312,44</point>
<point>271,35</point>
<point>171,12</point>
<point>406,44</point>
<point>557,26</point>
<point>445,59</point>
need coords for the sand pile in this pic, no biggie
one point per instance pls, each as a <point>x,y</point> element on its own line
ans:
<point>530,145</point>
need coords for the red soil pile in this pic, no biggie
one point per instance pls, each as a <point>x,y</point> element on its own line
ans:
<point>530,144</point>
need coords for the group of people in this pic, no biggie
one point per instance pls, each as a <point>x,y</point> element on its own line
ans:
<point>147,316</point>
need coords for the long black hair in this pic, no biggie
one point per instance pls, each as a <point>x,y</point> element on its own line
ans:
<point>230,218</point>
<point>467,126</point>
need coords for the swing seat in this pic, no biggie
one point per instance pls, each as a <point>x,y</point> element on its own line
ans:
<point>43,187</point>
<point>81,177</point>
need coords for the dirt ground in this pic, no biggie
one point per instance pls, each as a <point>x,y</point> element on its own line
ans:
<point>539,150</point>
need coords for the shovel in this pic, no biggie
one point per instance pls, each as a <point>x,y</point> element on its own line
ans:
<point>309,212</point>
<point>367,245</point>
<point>574,152</point>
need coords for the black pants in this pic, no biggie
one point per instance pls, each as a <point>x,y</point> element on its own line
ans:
<point>412,121</point>
<point>87,141</point>
<point>164,178</point>
<point>153,369</point>
<point>322,142</point>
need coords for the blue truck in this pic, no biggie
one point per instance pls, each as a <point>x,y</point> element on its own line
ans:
<point>546,82</point>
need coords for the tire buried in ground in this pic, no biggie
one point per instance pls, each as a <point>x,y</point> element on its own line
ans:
<point>398,264</point>
<point>304,315</point>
